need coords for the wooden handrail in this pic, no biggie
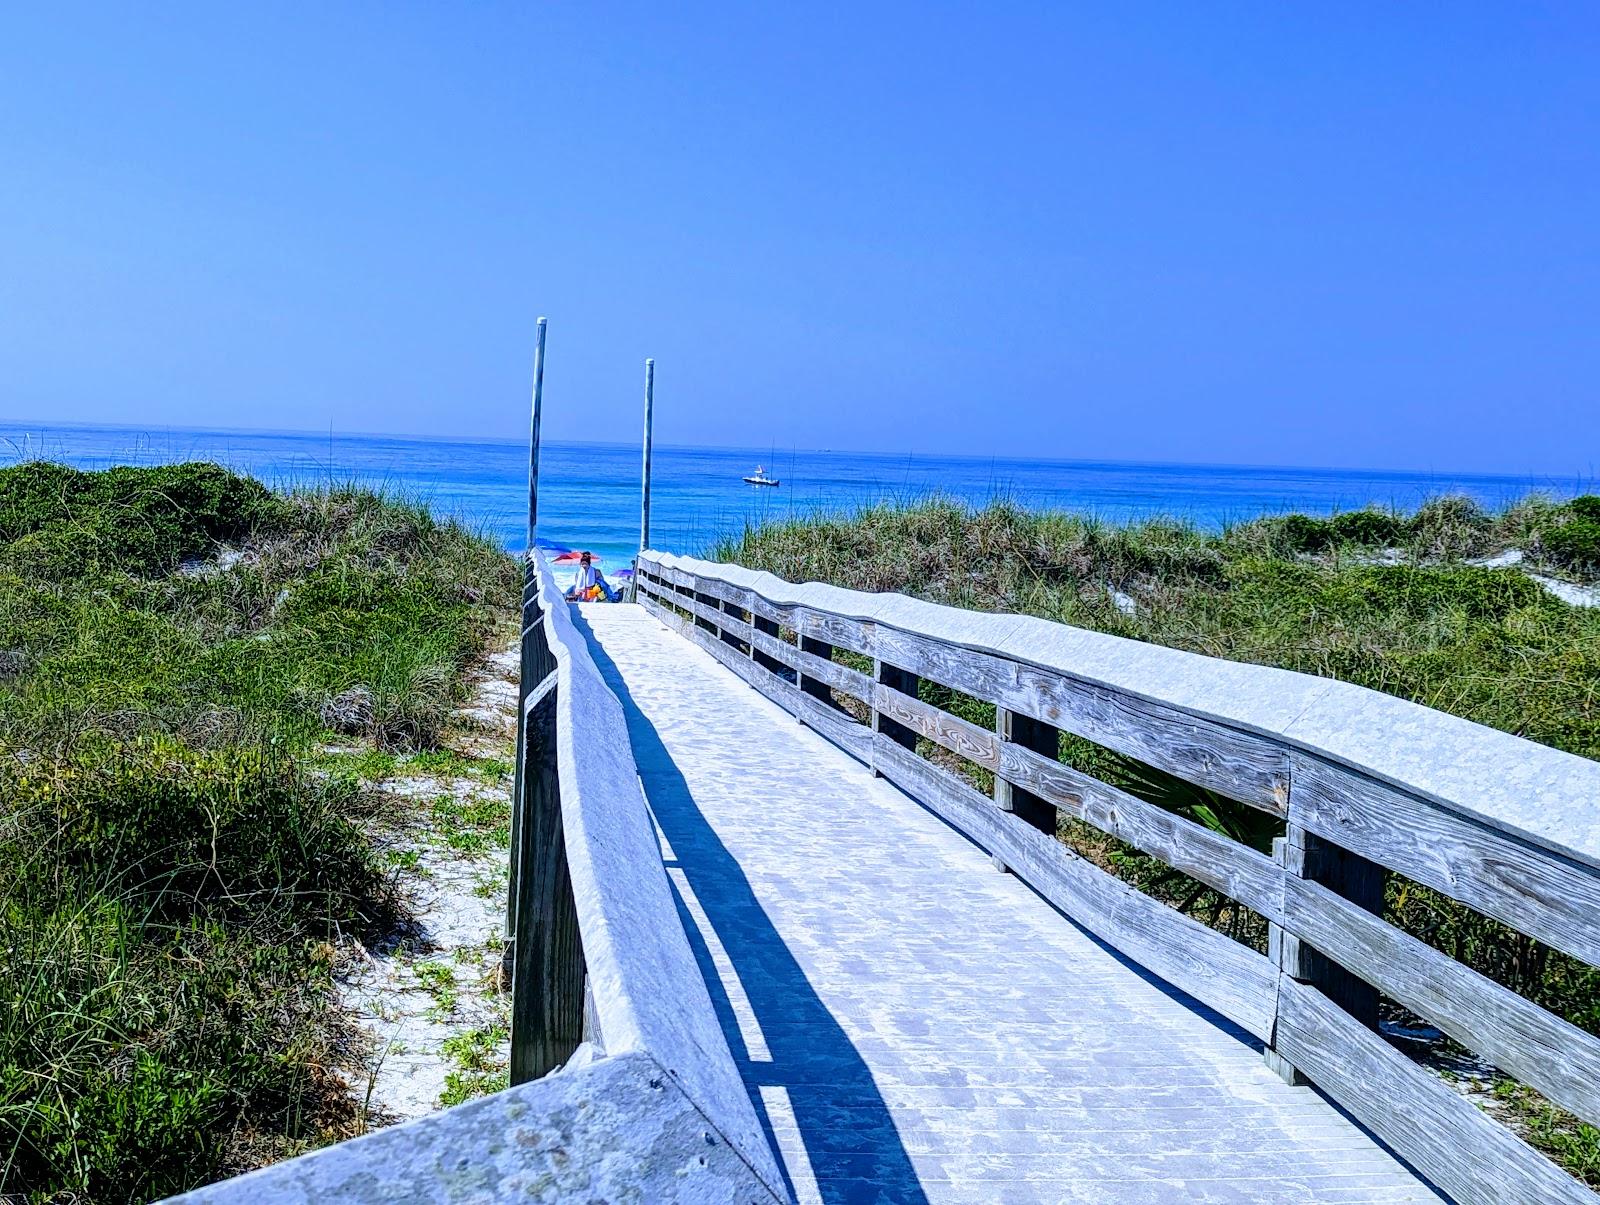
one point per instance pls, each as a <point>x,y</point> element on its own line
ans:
<point>1365,784</point>
<point>588,849</point>
<point>623,1084</point>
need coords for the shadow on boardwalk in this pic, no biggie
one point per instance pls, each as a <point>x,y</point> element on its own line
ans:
<point>811,1061</point>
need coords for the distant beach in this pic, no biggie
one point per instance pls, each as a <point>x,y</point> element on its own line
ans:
<point>589,493</point>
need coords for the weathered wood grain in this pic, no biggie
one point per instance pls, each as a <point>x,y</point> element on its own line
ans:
<point>1351,877</point>
<point>1025,732</point>
<point>657,602</point>
<point>1241,765</point>
<point>547,976</point>
<point>838,726</point>
<point>714,617</point>
<point>1237,871</point>
<point>838,630</point>
<point>1518,1036</point>
<point>909,712</point>
<point>768,643</point>
<point>723,591</point>
<point>627,1132</point>
<point>1527,887</point>
<point>818,651</point>
<point>778,613</point>
<point>838,677</point>
<point>707,612</point>
<point>897,683</point>
<point>1445,1137</point>
<point>1219,972</point>
<point>1286,952</point>
<point>766,649</point>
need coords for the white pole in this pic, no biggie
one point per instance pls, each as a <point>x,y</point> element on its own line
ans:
<point>649,415</point>
<point>533,437</point>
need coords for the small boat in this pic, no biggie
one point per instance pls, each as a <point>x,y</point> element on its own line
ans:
<point>759,477</point>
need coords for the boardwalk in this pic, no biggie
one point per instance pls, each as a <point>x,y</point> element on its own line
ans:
<point>914,1025</point>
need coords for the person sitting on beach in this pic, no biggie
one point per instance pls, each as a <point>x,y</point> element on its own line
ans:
<point>590,585</point>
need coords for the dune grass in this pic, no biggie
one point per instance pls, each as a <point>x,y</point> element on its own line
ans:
<point>1386,600</point>
<point>176,645</point>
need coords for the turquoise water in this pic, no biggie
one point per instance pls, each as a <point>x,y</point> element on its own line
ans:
<point>589,493</point>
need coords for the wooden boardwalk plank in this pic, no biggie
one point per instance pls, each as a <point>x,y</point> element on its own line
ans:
<point>914,1026</point>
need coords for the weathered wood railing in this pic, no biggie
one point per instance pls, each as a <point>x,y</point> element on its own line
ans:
<point>1364,784</point>
<point>645,1102</point>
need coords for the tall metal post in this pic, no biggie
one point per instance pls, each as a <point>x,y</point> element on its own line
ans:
<point>649,418</point>
<point>528,617</point>
<point>533,437</point>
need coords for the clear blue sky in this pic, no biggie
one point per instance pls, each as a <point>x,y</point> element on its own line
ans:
<point>1336,234</point>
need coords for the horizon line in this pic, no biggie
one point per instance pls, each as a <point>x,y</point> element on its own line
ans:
<point>410,437</point>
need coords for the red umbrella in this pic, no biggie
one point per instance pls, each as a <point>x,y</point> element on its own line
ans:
<point>572,558</point>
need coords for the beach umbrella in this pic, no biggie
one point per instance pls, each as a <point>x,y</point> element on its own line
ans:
<point>571,557</point>
<point>544,545</point>
<point>623,573</point>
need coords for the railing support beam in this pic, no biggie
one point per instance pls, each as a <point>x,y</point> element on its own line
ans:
<point>906,683</point>
<point>1041,738</point>
<point>1308,856</point>
<point>727,608</point>
<point>547,985</point>
<point>812,686</point>
<point>768,627</point>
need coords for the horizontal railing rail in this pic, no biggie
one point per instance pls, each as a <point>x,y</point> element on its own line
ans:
<point>623,1083</point>
<point>1363,783</point>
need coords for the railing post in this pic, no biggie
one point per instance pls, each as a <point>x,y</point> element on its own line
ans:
<point>1041,738</point>
<point>1305,855</point>
<point>905,682</point>
<point>547,982</point>
<point>728,608</point>
<point>814,687</point>
<point>711,601</point>
<point>528,619</point>
<point>768,627</point>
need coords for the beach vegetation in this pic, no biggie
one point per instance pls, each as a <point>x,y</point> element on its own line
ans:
<point>183,653</point>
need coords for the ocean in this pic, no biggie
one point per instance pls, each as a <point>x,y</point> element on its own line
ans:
<point>589,492</point>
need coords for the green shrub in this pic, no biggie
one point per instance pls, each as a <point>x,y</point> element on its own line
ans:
<point>1586,506</point>
<point>1574,545</point>
<point>1450,527</point>
<point>183,828</point>
<point>1376,528</point>
<point>172,862</point>
<point>1301,533</point>
<point>62,522</point>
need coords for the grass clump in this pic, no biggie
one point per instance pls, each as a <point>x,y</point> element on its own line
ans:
<point>471,825</point>
<point>1573,542</point>
<point>176,857</point>
<point>478,1068</point>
